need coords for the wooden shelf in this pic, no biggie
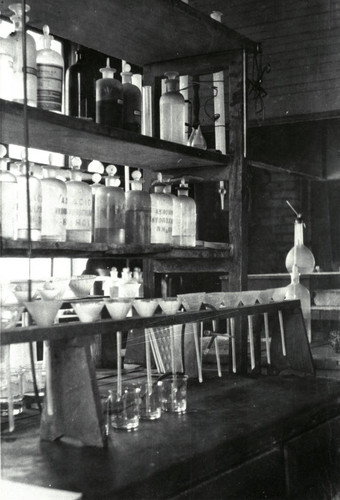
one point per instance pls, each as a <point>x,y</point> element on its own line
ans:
<point>84,138</point>
<point>19,248</point>
<point>108,327</point>
<point>138,31</point>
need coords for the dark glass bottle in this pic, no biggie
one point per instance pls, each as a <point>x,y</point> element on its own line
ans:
<point>77,88</point>
<point>109,98</point>
<point>132,102</point>
<point>138,213</point>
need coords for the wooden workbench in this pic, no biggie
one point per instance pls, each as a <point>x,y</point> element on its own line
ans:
<point>263,437</point>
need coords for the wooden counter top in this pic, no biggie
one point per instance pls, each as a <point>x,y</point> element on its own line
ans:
<point>229,421</point>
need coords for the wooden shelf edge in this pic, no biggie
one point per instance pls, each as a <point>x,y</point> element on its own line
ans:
<point>84,138</point>
<point>66,331</point>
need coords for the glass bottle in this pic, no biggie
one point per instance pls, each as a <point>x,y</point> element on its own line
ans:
<point>187,217</point>
<point>116,206</point>
<point>298,291</point>
<point>138,213</point>
<point>50,67</point>
<point>6,68</point>
<point>161,214</point>
<point>172,111</point>
<point>8,198</point>
<point>176,212</point>
<point>300,254</point>
<point>54,208</point>
<point>31,70</point>
<point>132,102</point>
<point>109,98</point>
<point>77,88</point>
<point>98,212</point>
<point>35,199</point>
<point>79,206</point>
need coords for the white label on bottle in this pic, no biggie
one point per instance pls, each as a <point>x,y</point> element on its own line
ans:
<point>50,81</point>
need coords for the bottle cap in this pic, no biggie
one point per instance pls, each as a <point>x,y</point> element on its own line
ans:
<point>137,182</point>
<point>46,37</point>
<point>96,178</point>
<point>126,74</point>
<point>95,167</point>
<point>107,72</point>
<point>112,179</point>
<point>171,75</point>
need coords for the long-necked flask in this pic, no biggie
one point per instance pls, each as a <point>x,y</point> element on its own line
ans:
<point>8,198</point>
<point>78,88</point>
<point>132,106</point>
<point>18,66</point>
<point>50,67</point>
<point>35,204</point>
<point>54,207</point>
<point>172,111</point>
<point>300,254</point>
<point>295,290</point>
<point>187,217</point>
<point>138,213</point>
<point>79,206</point>
<point>109,98</point>
<point>161,213</point>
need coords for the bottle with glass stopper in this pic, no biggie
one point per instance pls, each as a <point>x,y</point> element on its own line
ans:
<point>79,206</point>
<point>132,107</point>
<point>161,213</point>
<point>116,206</point>
<point>187,218</point>
<point>172,111</point>
<point>18,65</point>
<point>78,88</point>
<point>138,213</point>
<point>176,210</point>
<point>35,202</point>
<point>295,290</point>
<point>6,68</point>
<point>109,98</point>
<point>50,67</point>
<point>299,254</point>
<point>54,207</point>
<point>8,198</point>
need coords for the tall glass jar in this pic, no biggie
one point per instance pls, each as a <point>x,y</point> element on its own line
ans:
<point>35,203</point>
<point>8,198</point>
<point>138,213</point>
<point>54,208</point>
<point>187,217</point>
<point>161,214</point>
<point>172,111</point>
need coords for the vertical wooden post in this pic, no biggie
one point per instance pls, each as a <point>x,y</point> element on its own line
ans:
<point>237,191</point>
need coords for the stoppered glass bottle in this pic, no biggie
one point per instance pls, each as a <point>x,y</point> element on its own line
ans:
<point>79,206</point>
<point>132,106</point>
<point>50,67</point>
<point>54,207</point>
<point>161,214</point>
<point>109,98</point>
<point>35,203</point>
<point>187,218</point>
<point>8,198</point>
<point>138,213</point>
<point>172,111</point>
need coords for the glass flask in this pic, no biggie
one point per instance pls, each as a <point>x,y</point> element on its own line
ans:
<point>161,214</point>
<point>300,254</point>
<point>109,98</point>
<point>187,218</point>
<point>79,206</point>
<point>50,67</point>
<point>138,213</point>
<point>78,88</point>
<point>172,111</point>
<point>8,198</point>
<point>31,69</point>
<point>196,139</point>
<point>132,102</point>
<point>295,290</point>
<point>54,208</point>
<point>35,198</point>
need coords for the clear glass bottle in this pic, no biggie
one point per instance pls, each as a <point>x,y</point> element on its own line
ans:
<point>6,68</point>
<point>138,213</point>
<point>109,98</point>
<point>79,206</point>
<point>172,111</point>
<point>116,207</point>
<point>78,89</point>
<point>50,67</point>
<point>176,212</point>
<point>187,217</point>
<point>31,71</point>
<point>132,107</point>
<point>98,212</point>
<point>54,208</point>
<point>35,198</point>
<point>300,254</point>
<point>196,139</point>
<point>8,198</point>
<point>298,291</point>
<point>161,214</point>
